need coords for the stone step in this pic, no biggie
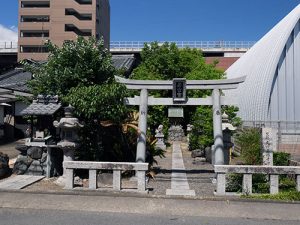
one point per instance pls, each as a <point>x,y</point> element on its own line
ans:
<point>19,182</point>
<point>180,192</point>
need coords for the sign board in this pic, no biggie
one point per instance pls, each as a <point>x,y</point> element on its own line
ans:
<point>175,112</point>
<point>179,90</point>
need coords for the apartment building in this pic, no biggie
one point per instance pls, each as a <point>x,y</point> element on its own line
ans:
<point>59,21</point>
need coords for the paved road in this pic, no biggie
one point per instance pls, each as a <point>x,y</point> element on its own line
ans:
<point>94,202</point>
<point>55,217</point>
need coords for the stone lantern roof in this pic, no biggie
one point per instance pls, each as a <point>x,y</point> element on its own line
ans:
<point>226,124</point>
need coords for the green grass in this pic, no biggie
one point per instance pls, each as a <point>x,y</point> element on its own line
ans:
<point>282,196</point>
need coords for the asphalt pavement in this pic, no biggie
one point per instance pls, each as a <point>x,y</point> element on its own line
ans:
<point>56,217</point>
<point>151,207</point>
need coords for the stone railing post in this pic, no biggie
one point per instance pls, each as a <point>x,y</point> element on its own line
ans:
<point>69,179</point>
<point>221,184</point>
<point>117,180</point>
<point>247,183</point>
<point>141,179</point>
<point>274,184</point>
<point>92,179</point>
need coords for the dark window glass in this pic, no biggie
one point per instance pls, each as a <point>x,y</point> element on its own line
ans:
<point>80,32</point>
<point>34,33</point>
<point>80,16</point>
<point>33,48</point>
<point>35,18</point>
<point>84,2</point>
<point>35,4</point>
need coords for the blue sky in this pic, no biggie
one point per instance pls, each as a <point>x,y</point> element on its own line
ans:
<point>148,20</point>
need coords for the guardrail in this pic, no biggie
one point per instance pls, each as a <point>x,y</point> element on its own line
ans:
<point>116,167</point>
<point>8,45</point>
<point>138,45</point>
<point>248,171</point>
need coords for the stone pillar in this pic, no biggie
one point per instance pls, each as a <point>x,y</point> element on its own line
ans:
<point>267,146</point>
<point>142,139</point>
<point>218,134</point>
<point>49,163</point>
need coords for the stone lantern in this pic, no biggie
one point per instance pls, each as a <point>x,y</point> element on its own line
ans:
<point>189,129</point>
<point>160,138</point>
<point>227,133</point>
<point>69,126</point>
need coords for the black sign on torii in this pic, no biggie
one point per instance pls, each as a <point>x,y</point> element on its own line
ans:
<point>179,90</point>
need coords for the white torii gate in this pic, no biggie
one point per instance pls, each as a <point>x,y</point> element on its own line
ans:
<point>179,87</point>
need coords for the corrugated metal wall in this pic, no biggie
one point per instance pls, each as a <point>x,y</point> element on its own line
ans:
<point>283,103</point>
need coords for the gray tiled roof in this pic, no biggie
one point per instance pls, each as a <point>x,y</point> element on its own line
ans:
<point>44,105</point>
<point>15,80</point>
<point>123,61</point>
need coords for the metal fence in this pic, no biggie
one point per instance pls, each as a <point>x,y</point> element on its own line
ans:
<point>286,134</point>
<point>8,45</point>
<point>138,45</point>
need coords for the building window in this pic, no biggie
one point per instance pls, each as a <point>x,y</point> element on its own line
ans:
<point>35,18</point>
<point>84,2</point>
<point>35,4</point>
<point>80,16</point>
<point>79,32</point>
<point>34,33</point>
<point>33,49</point>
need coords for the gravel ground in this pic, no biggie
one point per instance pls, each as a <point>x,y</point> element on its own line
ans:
<point>199,176</point>
<point>10,150</point>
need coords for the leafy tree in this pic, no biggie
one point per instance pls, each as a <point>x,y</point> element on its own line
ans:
<point>84,62</point>
<point>81,74</point>
<point>167,61</point>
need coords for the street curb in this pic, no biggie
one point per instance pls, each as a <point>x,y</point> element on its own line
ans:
<point>149,196</point>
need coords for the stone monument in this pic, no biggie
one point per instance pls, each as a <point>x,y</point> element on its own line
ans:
<point>267,146</point>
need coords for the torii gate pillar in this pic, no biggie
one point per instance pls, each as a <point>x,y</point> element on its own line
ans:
<point>142,138</point>
<point>217,124</point>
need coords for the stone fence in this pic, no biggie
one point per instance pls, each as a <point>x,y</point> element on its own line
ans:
<point>116,167</point>
<point>248,171</point>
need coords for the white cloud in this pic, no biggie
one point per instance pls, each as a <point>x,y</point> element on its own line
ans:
<point>14,28</point>
<point>8,34</point>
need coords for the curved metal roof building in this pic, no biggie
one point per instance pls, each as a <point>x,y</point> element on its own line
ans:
<point>272,70</point>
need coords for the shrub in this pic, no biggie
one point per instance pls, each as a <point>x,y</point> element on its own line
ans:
<point>287,184</point>
<point>282,196</point>
<point>281,158</point>
<point>234,182</point>
<point>249,141</point>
